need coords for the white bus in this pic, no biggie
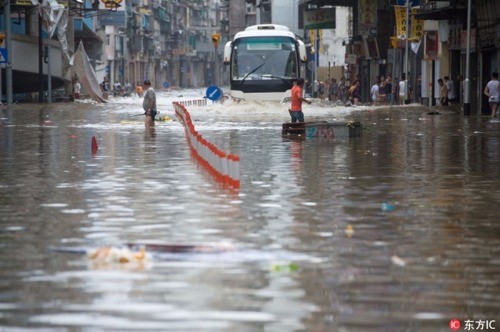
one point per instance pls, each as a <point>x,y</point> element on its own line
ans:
<point>263,61</point>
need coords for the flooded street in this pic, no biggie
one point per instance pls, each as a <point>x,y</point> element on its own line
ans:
<point>397,230</point>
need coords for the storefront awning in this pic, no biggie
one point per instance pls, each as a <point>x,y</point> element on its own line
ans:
<point>443,13</point>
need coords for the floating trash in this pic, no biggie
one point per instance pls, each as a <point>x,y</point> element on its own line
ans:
<point>386,207</point>
<point>398,260</point>
<point>349,231</point>
<point>113,255</point>
<point>291,267</point>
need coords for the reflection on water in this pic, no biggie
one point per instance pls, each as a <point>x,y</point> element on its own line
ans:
<point>431,258</point>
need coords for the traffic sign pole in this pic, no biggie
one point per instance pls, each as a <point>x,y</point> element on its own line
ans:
<point>214,93</point>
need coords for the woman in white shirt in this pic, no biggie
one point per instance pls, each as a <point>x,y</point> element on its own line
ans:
<point>402,89</point>
<point>375,93</point>
<point>493,94</point>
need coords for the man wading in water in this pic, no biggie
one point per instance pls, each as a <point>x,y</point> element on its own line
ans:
<point>295,111</point>
<point>149,104</point>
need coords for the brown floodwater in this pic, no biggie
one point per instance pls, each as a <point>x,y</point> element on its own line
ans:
<point>397,230</point>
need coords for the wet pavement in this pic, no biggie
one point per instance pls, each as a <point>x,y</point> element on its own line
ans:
<point>395,231</point>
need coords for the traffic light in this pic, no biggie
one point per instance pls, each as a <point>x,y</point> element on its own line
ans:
<point>2,40</point>
<point>216,39</point>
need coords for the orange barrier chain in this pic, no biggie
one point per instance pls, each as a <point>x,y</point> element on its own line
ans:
<point>224,167</point>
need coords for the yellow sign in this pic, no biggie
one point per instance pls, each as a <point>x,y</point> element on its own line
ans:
<point>400,13</point>
<point>2,40</point>
<point>145,11</point>
<point>24,3</point>
<point>416,26</point>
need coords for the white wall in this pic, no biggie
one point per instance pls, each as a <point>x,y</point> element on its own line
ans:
<point>285,12</point>
<point>331,49</point>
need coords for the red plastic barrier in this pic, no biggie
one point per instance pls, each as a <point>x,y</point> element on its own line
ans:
<point>224,167</point>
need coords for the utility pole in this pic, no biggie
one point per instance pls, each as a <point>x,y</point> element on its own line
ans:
<point>40,59</point>
<point>406,50</point>
<point>216,40</point>
<point>467,64</point>
<point>49,74</point>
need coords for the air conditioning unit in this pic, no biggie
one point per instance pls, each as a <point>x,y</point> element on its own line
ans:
<point>250,9</point>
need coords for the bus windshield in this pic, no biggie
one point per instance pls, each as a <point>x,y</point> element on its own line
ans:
<point>264,58</point>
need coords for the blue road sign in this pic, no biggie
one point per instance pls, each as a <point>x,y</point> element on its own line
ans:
<point>3,55</point>
<point>214,93</point>
<point>166,85</point>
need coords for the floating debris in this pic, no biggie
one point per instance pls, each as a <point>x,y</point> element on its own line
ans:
<point>386,207</point>
<point>114,255</point>
<point>291,267</point>
<point>398,261</point>
<point>349,231</point>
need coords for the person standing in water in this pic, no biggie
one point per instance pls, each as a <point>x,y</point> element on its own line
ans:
<point>77,89</point>
<point>296,113</point>
<point>149,104</point>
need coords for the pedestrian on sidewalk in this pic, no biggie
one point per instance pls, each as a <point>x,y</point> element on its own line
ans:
<point>342,90</point>
<point>443,93</point>
<point>402,89</point>
<point>333,90</point>
<point>388,90</point>
<point>375,92</point>
<point>450,87</point>
<point>354,93</point>
<point>492,91</point>
<point>418,89</point>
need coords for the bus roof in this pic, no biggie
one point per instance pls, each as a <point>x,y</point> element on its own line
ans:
<point>265,30</point>
<point>267,27</point>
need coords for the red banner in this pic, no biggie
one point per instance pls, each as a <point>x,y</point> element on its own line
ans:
<point>431,45</point>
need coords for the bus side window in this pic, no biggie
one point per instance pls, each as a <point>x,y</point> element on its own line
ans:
<point>291,65</point>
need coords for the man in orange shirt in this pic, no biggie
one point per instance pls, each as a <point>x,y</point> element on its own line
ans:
<point>296,106</point>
